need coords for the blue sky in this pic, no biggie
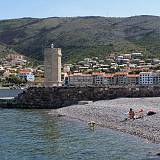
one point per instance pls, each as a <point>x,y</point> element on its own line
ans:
<point>66,8</point>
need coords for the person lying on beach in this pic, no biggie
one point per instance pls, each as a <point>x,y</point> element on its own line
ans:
<point>139,114</point>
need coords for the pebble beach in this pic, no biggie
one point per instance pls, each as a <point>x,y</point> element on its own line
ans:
<point>112,114</point>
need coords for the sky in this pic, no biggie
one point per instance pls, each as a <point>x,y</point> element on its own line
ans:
<point>10,9</point>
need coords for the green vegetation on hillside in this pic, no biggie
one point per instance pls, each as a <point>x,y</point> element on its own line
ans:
<point>4,50</point>
<point>81,37</point>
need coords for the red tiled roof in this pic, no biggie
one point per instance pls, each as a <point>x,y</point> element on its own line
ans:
<point>133,75</point>
<point>109,75</point>
<point>98,73</point>
<point>25,71</point>
<point>121,73</point>
<point>79,74</point>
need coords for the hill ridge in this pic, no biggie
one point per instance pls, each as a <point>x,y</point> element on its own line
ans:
<point>82,36</point>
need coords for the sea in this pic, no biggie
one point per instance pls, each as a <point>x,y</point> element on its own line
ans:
<point>27,134</point>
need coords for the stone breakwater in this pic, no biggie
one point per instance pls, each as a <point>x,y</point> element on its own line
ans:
<point>58,97</point>
<point>111,113</point>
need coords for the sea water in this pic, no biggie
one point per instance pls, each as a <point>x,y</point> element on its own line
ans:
<point>36,135</point>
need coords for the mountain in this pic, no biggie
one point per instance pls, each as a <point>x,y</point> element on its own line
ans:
<point>82,36</point>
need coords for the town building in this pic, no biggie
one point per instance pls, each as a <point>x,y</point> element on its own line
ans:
<point>2,70</point>
<point>15,57</point>
<point>132,79</point>
<point>108,79</point>
<point>26,74</point>
<point>66,68</point>
<point>136,55</point>
<point>127,56</point>
<point>79,79</point>
<point>120,78</point>
<point>147,78</point>
<point>98,78</point>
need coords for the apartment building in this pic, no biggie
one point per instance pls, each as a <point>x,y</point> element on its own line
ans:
<point>79,79</point>
<point>108,79</point>
<point>98,78</point>
<point>132,79</point>
<point>120,78</point>
<point>147,78</point>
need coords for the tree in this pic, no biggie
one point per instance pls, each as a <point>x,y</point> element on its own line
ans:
<point>12,79</point>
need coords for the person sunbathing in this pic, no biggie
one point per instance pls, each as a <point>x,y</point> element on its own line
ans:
<point>131,114</point>
<point>139,114</point>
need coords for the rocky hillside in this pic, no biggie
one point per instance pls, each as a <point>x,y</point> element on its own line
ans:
<point>82,36</point>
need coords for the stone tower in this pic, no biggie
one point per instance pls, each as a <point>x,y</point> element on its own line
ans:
<point>52,65</point>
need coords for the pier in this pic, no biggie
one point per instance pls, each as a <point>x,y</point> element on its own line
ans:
<point>57,97</point>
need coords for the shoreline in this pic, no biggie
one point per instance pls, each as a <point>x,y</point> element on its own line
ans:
<point>105,114</point>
